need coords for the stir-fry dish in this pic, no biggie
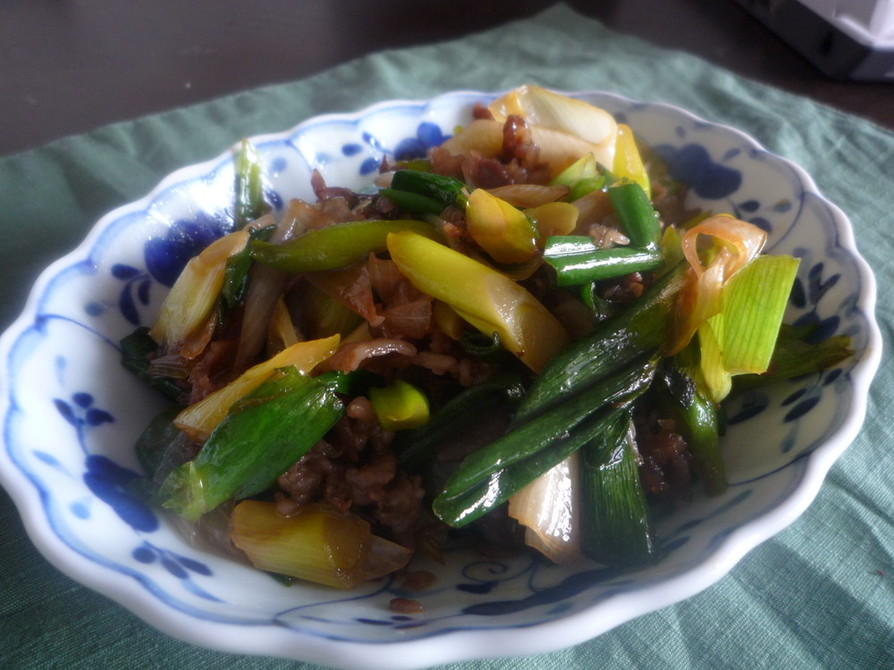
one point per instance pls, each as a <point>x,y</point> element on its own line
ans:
<point>524,338</point>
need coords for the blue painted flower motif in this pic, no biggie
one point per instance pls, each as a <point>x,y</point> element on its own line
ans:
<point>692,165</point>
<point>81,413</point>
<point>111,483</point>
<point>428,135</point>
<point>136,291</point>
<point>106,479</point>
<point>177,565</point>
<point>167,256</point>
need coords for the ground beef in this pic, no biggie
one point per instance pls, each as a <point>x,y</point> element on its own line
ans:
<point>480,111</point>
<point>354,470</point>
<point>211,369</point>
<point>624,290</point>
<point>518,163</point>
<point>326,193</point>
<point>664,466</point>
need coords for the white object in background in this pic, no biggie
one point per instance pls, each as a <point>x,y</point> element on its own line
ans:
<point>847,39</point>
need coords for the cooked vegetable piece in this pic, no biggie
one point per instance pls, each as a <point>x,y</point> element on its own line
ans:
<point>636,214</point>
<point>628,161</point>
<point>399,406</point>
<point>335,246</point>
<point>504,232</point>
<point>615,526</point>
<point>795,355</point>
<point>581,177</point>
<point>639,329</point>
<point>447,320</point>
<point>161,447</point>
<point>696,419</point>
<point>183,323</point>
<point>553,218</point>
<point>741,337</point>
<point>236,274</point>
<point>136,352</point>
<point>547,109</point>
<point>734,244</point>
<point>423,192</point>
<point>528,196</point>
<point>754,302</point>
<point>470,504</point>
<point>528,447</point>
<point>415,447</point>
<point>264,434</point>
<point>549,509</point>
<point>487,299</point>
<point>202,417</point>
<point>322,315</point>
<point>577,260</point>
<point>250,203</point>
<point>318,543</point>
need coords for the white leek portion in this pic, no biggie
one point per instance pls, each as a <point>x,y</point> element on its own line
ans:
<point>548,507</point>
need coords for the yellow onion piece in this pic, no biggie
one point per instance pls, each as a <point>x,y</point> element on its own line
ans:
<point>593,207</point>
<point>484,136</point>
<point>447,320</point>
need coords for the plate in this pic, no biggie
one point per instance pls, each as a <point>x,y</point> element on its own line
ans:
<point>71,413</point>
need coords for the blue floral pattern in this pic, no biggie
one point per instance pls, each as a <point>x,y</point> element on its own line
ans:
<point>165,257</point>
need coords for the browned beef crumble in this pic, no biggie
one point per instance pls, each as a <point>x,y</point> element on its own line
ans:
<point>354,470</point>
<point>664,465</point>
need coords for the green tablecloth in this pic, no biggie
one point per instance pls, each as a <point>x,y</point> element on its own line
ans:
<point>820,594</point>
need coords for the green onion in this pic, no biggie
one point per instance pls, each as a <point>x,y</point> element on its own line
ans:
<point>478,344</point>
<point>236,275</point>
<point>639,329</point>
<point>530,449</point>
<point>399,406</point>
<point>413,202</point>
<point>137,350</point>
<point>742,336</point>
<point>416,446</point>
<point>696,416</point>
<point>318,543</point>
<point>464,506</point>
<point>335,246</point>
<point>615,527</point>
<point>636,214</point>
<point>795,355</point>
<point>422,192</point>
<point>754,302</point>
<point>265,433</point>
<point>578,261</point>
<point>581,177</point>
<point>249,186</point>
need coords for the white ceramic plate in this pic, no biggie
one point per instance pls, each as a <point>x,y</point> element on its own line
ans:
<point>70,414</point>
